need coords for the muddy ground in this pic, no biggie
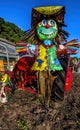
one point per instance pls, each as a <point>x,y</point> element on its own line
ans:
<point>25,112</point>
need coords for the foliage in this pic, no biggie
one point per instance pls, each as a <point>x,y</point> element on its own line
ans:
<point>22,125</point>
<point>10,31</point>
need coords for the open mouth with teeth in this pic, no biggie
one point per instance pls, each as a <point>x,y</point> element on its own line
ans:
<point>47,34</point>
<point>44,33</point>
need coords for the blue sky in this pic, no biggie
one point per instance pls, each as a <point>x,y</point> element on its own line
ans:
<point>19,13</point>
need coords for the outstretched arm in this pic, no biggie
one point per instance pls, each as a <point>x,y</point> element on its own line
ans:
<point>68,48</point>
<point>26,49</point>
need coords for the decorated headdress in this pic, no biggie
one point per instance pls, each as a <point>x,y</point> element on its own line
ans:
<point>48,12</point>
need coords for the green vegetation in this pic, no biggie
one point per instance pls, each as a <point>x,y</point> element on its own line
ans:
<point>10,31</point>
<point>67,116</point>
<point>22,124</point>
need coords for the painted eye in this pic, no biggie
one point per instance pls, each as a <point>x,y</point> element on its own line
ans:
<point>44,22</point>
<point>51,22</point>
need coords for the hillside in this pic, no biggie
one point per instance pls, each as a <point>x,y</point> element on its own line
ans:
<point>10,31</point>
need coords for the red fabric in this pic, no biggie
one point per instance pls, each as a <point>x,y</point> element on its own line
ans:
<point>68,82</point>
<point>25,63</point>
<point>6,88</point>
<point>24,75</point>
<point>10,73</point>
<point>28,89</point>
<point>60,51</point>
<point>2,95</point>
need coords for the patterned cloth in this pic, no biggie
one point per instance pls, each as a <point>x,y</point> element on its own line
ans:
<point>47,59</point>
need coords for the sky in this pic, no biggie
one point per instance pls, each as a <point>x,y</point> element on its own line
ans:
<point>19,13</point>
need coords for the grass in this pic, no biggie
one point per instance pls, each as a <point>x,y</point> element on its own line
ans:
<point>23,125</point>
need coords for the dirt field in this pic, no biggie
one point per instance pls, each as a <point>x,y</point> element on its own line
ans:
<point>25,112</point>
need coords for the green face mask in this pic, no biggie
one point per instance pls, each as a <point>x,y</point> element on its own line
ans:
<point>47,30</point>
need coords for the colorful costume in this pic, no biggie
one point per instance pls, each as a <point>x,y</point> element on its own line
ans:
<point>46,42</point>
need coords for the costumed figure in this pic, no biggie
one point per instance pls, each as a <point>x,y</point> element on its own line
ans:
<point>6,87</point>
<point>46,43</point>
<point>4,92</point>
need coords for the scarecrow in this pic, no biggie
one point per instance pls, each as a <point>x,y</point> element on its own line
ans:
<point>46,43</point>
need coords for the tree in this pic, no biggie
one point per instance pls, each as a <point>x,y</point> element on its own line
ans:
<point>10,31</point>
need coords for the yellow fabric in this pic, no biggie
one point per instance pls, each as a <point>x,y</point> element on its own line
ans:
<point>42,55</point>
<point>49,9</point>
